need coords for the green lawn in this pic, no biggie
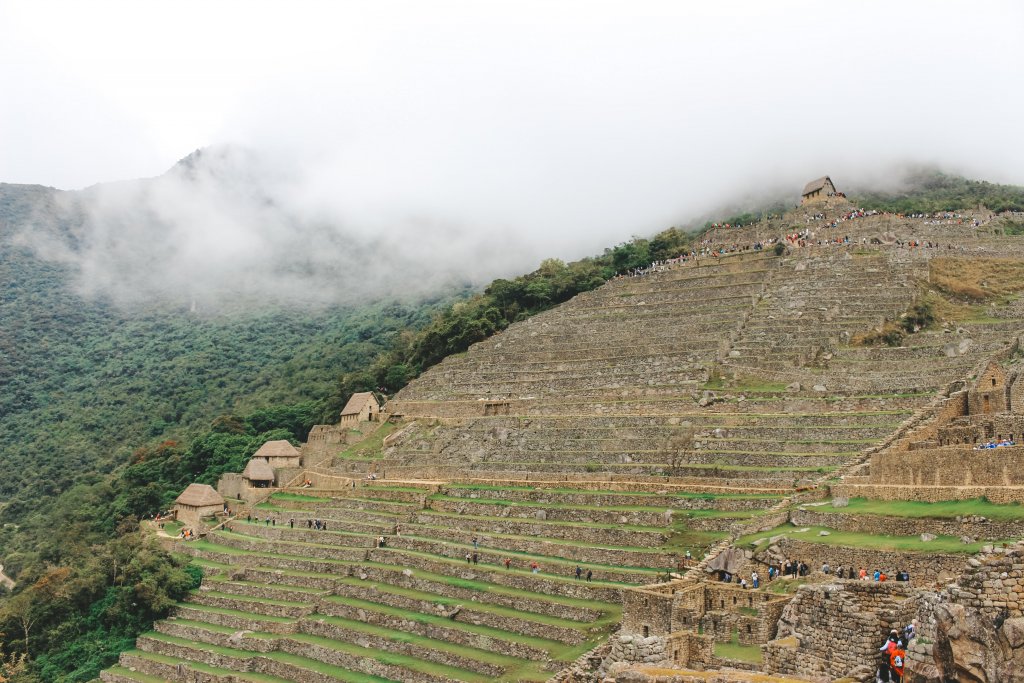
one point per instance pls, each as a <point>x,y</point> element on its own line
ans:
<point>940,510</point>
<point>943,544</point>
<point>733,650</point>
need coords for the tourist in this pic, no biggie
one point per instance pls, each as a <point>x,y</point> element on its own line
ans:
<point>755,579</point>
<point>534,567</point>
<point>476,543</point>
<point>863,574</point>
<point>689,557</point>
<point>743,583</point>
<point>884,670</point>
<point>323,527</point>
<point>897,657</point>
<point>309,523</point>
<point>590,575</point>
<point>771,572</point>
<point>476,558</point>
<point>579,572</point>
<point>825,569</point>
<point>508,562</point>
<point>291,523</point>
<point>469,557</point>
<point>839,572</point>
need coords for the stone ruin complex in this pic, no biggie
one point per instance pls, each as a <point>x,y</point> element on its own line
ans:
<point>720,408</point>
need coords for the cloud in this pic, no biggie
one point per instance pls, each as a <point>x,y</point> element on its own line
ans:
<point>406,143</point>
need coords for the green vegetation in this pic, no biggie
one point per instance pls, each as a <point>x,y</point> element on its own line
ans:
<point>942,544</point>
<point>931,190</point>
<point>742,653</point>
<point>943,510</point>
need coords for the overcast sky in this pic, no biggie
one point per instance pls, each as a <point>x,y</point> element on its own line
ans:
<point>569,125</point>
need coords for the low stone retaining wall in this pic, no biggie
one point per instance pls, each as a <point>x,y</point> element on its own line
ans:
<point>570,532</point>
<point>667,501</point>
<point>234,621</point>
<point>930,494</point>
<point>364,639</point>
<point>907,526</point>
<point>312,551</point>
<point>634,517</point>
<point>488,555</point>
<point>427,630</point>
<point>468,613</point>
<point>526,582</point>
<point>268,609</point>
<point>394,577</point>
<point>924,567</point>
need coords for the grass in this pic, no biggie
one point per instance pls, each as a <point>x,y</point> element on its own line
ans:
<point>682,494</point>
<point>940,510</point>
<point>371,446</point>
<point>284,495</point>
<point>977,279</point>
<point>942,544</point>
<point>742,653</point>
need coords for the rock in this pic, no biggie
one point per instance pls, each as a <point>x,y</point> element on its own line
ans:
<point>820,387</point>
<point>236,637</point>
<point>407,572</point>
<point>949,350</point>
<point>965,345</point>
<point>1013,629</point>
<point>541,515</point>
<point>795,386</point>
<point>966,540</point>
<point>626,639</point>
<point>927,537</point>
<point>840,502</point>
<point>623,519</point>
<point>734,354</point>
<point>703,402</point>
<point>824,533</point>
<point>363,576</point>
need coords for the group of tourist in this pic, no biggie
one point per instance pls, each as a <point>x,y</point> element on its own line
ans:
<point>894,655</point>
<point>1001,443</point>
<point>792,569</point>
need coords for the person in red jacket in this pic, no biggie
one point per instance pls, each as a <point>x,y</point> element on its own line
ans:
<point>897,658</point>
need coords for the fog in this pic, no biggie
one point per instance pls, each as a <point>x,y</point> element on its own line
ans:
<point>364,148</point>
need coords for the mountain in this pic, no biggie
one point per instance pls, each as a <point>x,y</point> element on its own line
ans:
<point>112,336</point>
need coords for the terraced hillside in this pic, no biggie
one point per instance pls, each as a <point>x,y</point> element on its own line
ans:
<point>284,599</point>
<point>658,415</point>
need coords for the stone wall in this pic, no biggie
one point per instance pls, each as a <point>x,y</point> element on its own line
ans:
<point>828,631</point>
<point>908,526</point>
<point>924,567</point>
<point>854,488</point>
<point>974,629</point>
<point>950,466</point>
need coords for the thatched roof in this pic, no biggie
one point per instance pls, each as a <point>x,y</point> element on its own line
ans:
<point>199,495</point>
<point>816,185</point>
<point>356,403</point>
<point>277,449</point>
<point>258,469</point>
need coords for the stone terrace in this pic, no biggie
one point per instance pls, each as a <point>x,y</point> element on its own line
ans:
<point>652,416</point>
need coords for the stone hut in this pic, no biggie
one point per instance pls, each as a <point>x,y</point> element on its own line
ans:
<point>818,190</point>
<point>195,502</point>
<point>362,407</point>
<point>278,454</point>
<point>258,473</point>
<point>988,396</point>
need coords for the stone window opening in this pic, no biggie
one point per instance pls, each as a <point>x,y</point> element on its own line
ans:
<point>721,604</point>
<point>734,599</point>
<point>993,381</point>
<point>750,601</point>
<point>748,629</point>
<point>647,631</point>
